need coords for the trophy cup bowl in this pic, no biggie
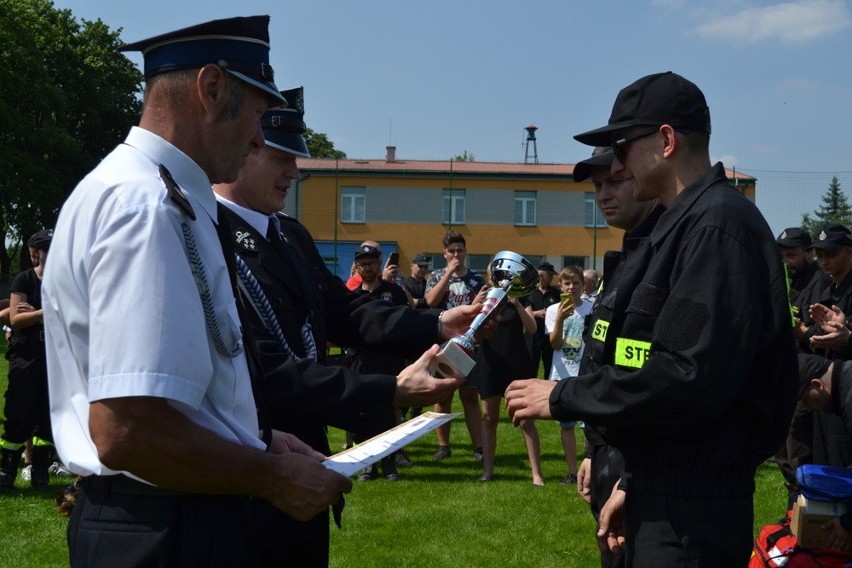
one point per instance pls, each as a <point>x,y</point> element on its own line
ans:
<point>518,271</point>
<point>511,276</point>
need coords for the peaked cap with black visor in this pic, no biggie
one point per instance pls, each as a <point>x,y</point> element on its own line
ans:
<point>284,128</point>
<point>240,46</point>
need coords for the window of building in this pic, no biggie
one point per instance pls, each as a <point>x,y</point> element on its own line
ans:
<point>534,259</point>
<point>574,261</point>
<point>353,205</point>
<point>594,218</point>
<point>452,209</point>
<point>479,262</point>
<point>525,208</point>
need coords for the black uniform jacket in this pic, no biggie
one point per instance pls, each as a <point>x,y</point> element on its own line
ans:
<point>701,376</point>
<point>812,286</point>
<point>302,397</point>
<point>832,295</point>
<point>808,287</point>
<point>630,260</point>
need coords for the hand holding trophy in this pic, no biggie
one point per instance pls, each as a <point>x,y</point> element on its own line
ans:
<point>511,275</point>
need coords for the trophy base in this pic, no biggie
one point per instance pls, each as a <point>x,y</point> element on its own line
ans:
<point>453,361</point>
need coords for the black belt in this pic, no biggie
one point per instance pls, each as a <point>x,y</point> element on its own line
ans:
<point>126,485</point>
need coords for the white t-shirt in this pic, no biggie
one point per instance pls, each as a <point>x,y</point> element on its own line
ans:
<point>566,361</point>
<point>122,311</point>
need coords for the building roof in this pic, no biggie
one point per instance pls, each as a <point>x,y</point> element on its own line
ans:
<point>443,167</point>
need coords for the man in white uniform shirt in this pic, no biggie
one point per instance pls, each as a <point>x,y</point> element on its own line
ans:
<point>147,371</point>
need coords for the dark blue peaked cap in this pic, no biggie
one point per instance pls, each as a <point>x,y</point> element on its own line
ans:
<point>284,128</point>
<point>240,46</point>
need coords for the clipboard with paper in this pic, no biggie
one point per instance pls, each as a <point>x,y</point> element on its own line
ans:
<point>351,461</point>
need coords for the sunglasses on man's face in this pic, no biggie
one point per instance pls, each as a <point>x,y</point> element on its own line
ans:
<point>622,145</point>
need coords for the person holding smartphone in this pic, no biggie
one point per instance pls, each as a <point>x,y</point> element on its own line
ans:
<point>563,324</point>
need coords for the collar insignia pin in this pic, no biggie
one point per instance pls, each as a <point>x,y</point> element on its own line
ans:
<point>245,241</point>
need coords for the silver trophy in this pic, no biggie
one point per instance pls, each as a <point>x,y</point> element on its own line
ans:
<point>511,276</point>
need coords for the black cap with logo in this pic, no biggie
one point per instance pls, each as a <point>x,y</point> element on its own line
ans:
<point>832,237</point>
<point>794,237</point>
<point>661,98</point>
<point>284,128</point>
<point>367,250</point>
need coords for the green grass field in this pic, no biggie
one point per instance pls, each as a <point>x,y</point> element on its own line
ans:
<point>437,516</point>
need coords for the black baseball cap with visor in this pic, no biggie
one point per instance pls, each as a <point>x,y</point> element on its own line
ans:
<point>653,100</point>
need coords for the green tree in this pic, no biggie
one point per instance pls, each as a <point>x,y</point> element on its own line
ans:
<point>320,146</point>
<point>67,97</point>
<point>834,209</point>
<point>465,157</point>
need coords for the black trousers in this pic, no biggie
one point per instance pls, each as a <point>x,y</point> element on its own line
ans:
<point>286,542</point>
<point>27,407</point>
<point>119,522</point>
<point>607,467</point>
<point>664,531</point>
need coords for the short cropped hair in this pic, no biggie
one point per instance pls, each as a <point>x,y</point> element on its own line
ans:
<point>453,237</point>
<point>569,272</point>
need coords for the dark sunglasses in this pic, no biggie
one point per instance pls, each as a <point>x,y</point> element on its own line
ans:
<point>620,146</point>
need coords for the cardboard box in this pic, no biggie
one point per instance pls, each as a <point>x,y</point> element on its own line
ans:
<point>809,516</point>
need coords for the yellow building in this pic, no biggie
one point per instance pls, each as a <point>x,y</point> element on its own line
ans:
<point>535,210</point>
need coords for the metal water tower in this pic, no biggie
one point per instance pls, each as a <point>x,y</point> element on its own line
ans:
<point>531,138</point>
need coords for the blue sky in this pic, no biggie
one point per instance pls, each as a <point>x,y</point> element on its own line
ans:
<point>442,77</point>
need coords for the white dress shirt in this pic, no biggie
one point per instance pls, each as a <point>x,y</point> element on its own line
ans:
<point>122,311</point>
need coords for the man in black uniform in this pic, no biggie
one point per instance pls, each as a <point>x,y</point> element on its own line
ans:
<point>294,305</point>
<point>545,294</point>
<point>807,285</point>
<point>603,464</point>
<point>700,377</point>
<point>807,282</point>
<point>833,244</point>
<point>826,386</point>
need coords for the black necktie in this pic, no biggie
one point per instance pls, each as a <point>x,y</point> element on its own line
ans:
<point>290,256</point>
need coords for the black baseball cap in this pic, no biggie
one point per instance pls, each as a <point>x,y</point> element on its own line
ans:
<point>601,157</point>
<point>811,367</point>
<point>41,239</point>
<point>421,259</point>
<point>661,98</point>
<point>367,250</point>
<point>240,46</point>
<point>547,267</point>
<point>832,237</point>
<point>794,237</point>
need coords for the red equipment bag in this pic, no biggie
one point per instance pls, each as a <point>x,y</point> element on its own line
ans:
<point>775,546</point>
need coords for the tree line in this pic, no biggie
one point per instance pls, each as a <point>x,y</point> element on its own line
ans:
<point>67,98</point>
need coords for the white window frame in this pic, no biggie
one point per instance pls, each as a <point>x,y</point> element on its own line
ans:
<point>525,208</point>
<point>453,202</point>
<point>353,205</point>
<point>592,215</point>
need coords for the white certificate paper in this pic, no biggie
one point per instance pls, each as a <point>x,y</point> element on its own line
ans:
<point>351,461</point>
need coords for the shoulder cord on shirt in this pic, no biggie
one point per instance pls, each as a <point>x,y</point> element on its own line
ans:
<point>261,305</point>
<point>197,267</point>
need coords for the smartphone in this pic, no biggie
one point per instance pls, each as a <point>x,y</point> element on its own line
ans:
<point>566,296</point>
<point>393,259</point>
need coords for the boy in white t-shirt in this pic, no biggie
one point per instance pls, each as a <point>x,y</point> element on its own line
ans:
<point>563,323</point>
